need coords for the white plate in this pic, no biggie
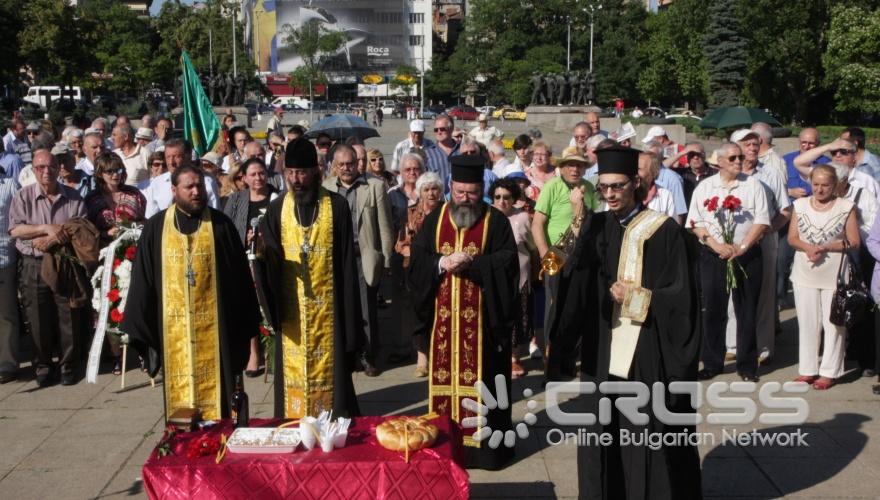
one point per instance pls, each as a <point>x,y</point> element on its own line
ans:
<point>263,440</point>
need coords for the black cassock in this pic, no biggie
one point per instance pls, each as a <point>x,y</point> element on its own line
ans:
<point>348,330</point>
<point>667,350</point>
<point>239,316</point>
<point>496,271</point>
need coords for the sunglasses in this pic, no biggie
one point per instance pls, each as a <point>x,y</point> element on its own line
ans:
<point>33,132</point>
<point>736,157</point>
<point>615,187</point>
<point>505,197</point>
<point>441,129</point>
<point>694,154</point>
<point>158,163</point>
<point>112,171</point>
<point>845,152</point>
<point>376,159</point>
<point>323,144</point>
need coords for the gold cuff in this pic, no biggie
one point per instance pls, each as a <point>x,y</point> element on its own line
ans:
<point>636,303</point>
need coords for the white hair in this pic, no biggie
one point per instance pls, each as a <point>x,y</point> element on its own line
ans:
<point>764,132</point>
<point>496,147</point>
<point>412,157</point>
<point>428,179</point>
<point>841,170</point>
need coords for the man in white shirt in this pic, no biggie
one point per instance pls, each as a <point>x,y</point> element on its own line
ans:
<point>416,140</point>
<point>158,194</point>
<point>274,126</point>
<point>93,146</point>
<point>500,166</point>
<point>144,138</point>
<point>744,252</point>
<point>483,133</point>
<point>135,157</point>
<point>766,155</point>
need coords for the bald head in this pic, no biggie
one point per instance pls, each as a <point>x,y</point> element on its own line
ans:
<point>592,118</point>
<point>808,139</point>
<point>253,149</point>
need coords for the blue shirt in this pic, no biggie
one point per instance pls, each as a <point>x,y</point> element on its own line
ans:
<point>438,162</point>
<point>673,183</point>
<point>8,188</point>
<point>11,164</point>
<point>871,164</point>
<point>794,177</point>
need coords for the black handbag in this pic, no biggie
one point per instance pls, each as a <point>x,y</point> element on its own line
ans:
<point>852,299</point>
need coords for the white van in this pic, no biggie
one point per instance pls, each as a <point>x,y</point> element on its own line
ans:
<point>44,95</point>
<point>387,107</point>
<point>292,101</point>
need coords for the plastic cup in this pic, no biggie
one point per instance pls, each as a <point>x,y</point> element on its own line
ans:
<point>307,430</point>
<point>327,444</point>
<point>339,439</point>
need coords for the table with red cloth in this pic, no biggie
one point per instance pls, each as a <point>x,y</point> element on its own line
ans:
<point>363,469</point>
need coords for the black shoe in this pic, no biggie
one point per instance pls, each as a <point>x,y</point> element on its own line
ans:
<point>6,378</point>
<point>706,374</point>
<point>68,378</point>
<point>749,378</point>
<point>369,369</point>
<point>44,379</point>
<point>254,373</point>
<point>867,372</point>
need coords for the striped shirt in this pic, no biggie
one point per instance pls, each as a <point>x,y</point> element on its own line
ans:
<point>8,188</point>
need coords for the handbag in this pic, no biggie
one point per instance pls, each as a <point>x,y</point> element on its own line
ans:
<point>852,299</point>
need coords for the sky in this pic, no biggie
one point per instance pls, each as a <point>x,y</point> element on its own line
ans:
<point>157,4</point>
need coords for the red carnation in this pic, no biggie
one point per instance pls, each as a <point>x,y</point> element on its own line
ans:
<point>113,295</point>
<point>116,263</point>
<point>202,446</point>
<point>693,223</point>
<point>732,203</point>
<point>711,204</point>
<point>116,316</point>
<point>129,252</point>
<point>264,331</point>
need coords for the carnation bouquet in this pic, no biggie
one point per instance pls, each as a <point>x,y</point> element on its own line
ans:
<point>725,216</point>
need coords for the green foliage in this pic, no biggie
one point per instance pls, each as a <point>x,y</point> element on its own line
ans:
<point>851,63</point>
<point>122,45</point>
<point>726,52</point>
<point>619,30</point>
<point>10,13</point>
<point>405,78</point>
<point>55,43</point>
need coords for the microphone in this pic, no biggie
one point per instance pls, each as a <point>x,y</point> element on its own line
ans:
<point>255,223</point>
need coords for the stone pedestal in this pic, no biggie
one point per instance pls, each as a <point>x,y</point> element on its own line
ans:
<point>559,118</point>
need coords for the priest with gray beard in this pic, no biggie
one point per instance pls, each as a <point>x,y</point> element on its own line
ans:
<point>464,275</point>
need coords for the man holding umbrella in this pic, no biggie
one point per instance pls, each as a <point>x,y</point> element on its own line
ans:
<point>373,239</point>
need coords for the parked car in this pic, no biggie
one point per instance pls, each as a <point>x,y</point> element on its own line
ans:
<point>387,107</point>
<point>431,112</point>
<point>258,107</point>
<point>682,113</point>
<point>655,112</point>
<point>509,113</point>
<point>399,110</point>
<point>463,112</point>
<point>487,110</point>
<point>292,103</point>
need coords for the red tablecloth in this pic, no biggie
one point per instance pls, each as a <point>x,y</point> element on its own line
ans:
<point>361,470</point>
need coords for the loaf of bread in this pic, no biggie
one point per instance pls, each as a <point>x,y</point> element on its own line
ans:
<point>400,434</point>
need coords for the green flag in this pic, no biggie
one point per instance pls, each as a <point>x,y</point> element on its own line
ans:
<point>200,124</point>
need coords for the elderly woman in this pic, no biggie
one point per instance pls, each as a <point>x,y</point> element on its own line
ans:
<point>430,196</point>
<point>655,197</point>
<point>504,194</point>
<point>822,226</point>
<point>405,195</point>
<point>110,204</point>
<point>243,207</point>
<point>541,170</point>
<point>69,175</point>
<point>376,166</point>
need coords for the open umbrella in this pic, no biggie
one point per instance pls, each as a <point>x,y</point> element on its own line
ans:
<point>340,127</point>
<point>737,116</point>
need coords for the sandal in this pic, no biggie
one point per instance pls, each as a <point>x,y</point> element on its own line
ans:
<point>517,371</point>
<point>807,379</point>
<point>824,383</point>
<point>117,367</point>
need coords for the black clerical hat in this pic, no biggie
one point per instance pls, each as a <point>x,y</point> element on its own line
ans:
<point>618,160</point>
<point>467,168</point>
<point>300,153</point>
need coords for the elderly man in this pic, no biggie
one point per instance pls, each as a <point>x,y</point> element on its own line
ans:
<point>464,271</point>
<point>9,320</point>
<point>16,141</point>
<point>500,166</point>
<point>840,151</point>
<point>100,125</point>
<point>162,132</point>
<point>483,133</point>
<point>361,153</point>
<point>253,149</point>
<point>743,252</point>
<point>144,138</point>
<point>779,207</point>
<point>444,147</point>
<point>274,127</point>
<point>415,140</point>
<point>697,170</point>
<point>579,136</point>
<point>135,157</point>
<point>93,146</point>
<point>668,147</point>
<point>592,119</point>
<point>766,155</point>
<point>865,160</point>
<point>159,193</point>
<point>36,220</point>
<point>147,121</point>
<point>370,213</point>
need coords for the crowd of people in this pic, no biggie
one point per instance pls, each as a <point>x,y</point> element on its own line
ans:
<point>478,255</point>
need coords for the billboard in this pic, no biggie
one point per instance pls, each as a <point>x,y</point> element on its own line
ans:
<point>376,32</point>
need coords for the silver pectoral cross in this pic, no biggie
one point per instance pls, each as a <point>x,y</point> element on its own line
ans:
<point>306,248</point>
<point>190,276</point>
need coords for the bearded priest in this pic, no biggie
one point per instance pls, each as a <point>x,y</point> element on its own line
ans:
<point>464,272</point>
<point>312,291</point>
<point>192,308</point>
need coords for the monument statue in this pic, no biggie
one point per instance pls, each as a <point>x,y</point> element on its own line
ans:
<point>561,87</point>
<point>228,95</point>
<point>239,90</point>
<point>550,85</point>
<point>537,82</point>
<point>575,88</point>
<point>591,88</point>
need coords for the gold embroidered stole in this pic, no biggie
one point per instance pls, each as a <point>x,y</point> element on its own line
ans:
<point>191,333</point>
<point>626,323</point>
<point>307,326</point>
<point>457,335</point>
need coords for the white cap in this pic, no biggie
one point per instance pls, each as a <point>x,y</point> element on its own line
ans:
<point>212,158</point>
<point>742,134</point>
<point>482,117</point>
<point>303,123</point>
<point>144,133</point>
<point>626,131</point>
<point>653,133</point>
<point>60,148</point>
<point>417,126</point>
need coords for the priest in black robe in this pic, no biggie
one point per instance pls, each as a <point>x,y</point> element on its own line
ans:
<point>627,293</point>
<point>312,292</point>
<point>464,274</point>
<point>190,256</point>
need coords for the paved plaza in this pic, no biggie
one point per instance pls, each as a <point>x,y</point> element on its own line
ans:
<point>90,441</point>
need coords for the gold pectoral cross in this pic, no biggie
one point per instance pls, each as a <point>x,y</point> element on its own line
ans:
<point>190,276</point>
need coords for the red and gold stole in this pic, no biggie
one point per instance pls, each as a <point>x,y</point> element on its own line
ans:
<point>457,333</point>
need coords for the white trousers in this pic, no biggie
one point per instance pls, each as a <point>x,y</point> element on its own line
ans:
<point>765,316</point>
<point>813,308</point>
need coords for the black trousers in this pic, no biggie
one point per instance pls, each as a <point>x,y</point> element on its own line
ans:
<point>713,272</point>
<point>9,324</point>
<point>54,324</point>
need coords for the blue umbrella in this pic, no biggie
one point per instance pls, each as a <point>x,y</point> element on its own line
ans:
<point>340,127</point>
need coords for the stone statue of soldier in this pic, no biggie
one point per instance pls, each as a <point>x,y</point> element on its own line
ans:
<point>537,89</point>
<point>574,87</point>
<point>550,85</point>
<point>591,88</point>
<point>212,90</point>
<point>561,88</point>
<point>239,90</point>
<point>227,97</point>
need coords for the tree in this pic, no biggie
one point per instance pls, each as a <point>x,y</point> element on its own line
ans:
<point>314,44</point>
<point>619,30</point>
<point>405,78</point>
<point>726,51</point>
<point>852,68</point>
<point>10,12</point>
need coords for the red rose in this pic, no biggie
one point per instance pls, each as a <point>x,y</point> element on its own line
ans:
<point>202,446</point>
<point>116,263</point>
<point>711,204</point>
<point>113,295</point>
<point>116,316</point>
<point>129,252</point>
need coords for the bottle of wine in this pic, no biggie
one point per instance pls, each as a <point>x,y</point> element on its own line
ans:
<point>240,412</point>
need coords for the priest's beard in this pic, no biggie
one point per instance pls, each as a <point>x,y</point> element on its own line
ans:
<point>191,207</point>
<point>305,194</point>
<point>466,213</point>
